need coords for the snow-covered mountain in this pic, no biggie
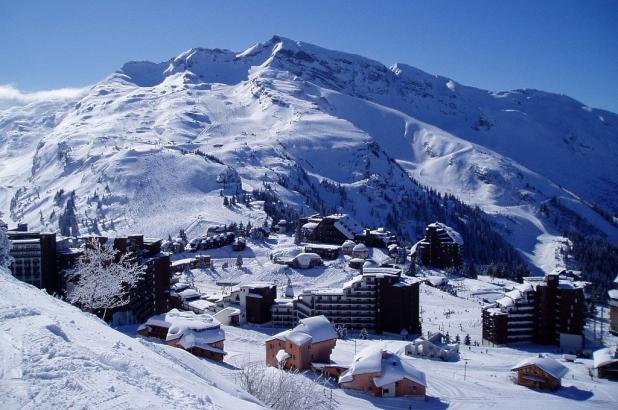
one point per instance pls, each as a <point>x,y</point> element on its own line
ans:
<point>151,147</point>
<point>55,356</point>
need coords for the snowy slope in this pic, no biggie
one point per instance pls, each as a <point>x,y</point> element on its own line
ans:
<point>55,356</point>
<point>309,122</point>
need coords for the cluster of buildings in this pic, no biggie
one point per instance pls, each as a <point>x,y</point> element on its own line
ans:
<point>45,260</point>
<point>338,228</point>
<point>549,310</point>
<point>309,346</point>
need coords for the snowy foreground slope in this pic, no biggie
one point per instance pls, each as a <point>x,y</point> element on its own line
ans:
<point>53,356</point>
<point>143,148</point>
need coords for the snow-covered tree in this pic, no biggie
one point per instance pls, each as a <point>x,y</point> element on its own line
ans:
<point>467,340</point>
<point>103,279</point>
<point>5,246</point>
<point>280,389</point>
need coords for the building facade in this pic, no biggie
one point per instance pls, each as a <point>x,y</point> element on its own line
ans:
<point>544,311</point>
<point>34,258</point>
<point>378,300</point>
<point>442,247</point>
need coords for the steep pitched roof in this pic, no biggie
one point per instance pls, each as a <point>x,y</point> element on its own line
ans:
<point>548,365</point>
<point>313,329</point>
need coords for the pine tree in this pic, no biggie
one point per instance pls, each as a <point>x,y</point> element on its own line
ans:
<point>239,261</point>
<point>467,340</point>
<point>457,339</point>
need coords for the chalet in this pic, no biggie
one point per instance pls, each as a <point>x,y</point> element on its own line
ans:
<point>305,260</point>
<point>360,251</point>
<point>605,362</point>
<point>356,263</point>
<point>335,229</point>
<point>540,372</point>
<point>384,374</point>
<point>433,347</point>
<point>312,340</point>
<point>347,247</point>
<point>442,247</point>
<point>239,244</point>
<point>324,250</point>
<point>199,334</point>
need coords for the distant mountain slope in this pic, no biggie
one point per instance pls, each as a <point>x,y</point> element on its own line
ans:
<point>324,129</point>
<point>55,356</point>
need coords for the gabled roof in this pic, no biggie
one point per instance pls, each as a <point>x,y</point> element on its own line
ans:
<point>391,367</point>
<point>603,357</point>
<point>193,330</point>
<point>548,365</point>
<point>313,329</point>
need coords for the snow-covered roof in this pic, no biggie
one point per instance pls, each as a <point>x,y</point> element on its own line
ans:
<point>313,329</point>
<point>547,364</point>
<point>603,357</point>
<point>453,234</point>
<point>347,225</point>
<point>304,259</point>
<point>200,304</point>
<point>310,226</point>
<point>348,244</point>
<point>360,248</point>
<point>193,330</point>
<point>189,294</point>
<point>379,271</point>
<point>391,367</point>
<point>613,293</point>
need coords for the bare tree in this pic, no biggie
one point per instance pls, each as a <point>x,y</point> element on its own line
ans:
<point>104,280</point>
<point>284,390</point>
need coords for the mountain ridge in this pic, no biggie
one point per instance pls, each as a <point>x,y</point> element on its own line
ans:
<point>282,104</point>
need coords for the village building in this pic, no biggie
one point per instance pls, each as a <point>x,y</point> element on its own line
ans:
<point>305,260</point>
<point>549,310</point>
<point>335,229</point>
<point>325,251</point>
<point>34,258</point>
<point>356,263</point>
<point>605,362</point>
<point>385,374</point>
<point>283,313</point>
<point>312,340</point>
<point>360,251</point>
<point>377,238</point>
<point>197,262</point>
<point>540,372</point>
<point>442,247</point>
<point>347,247</point>
<point>200,335</point>
<point>256,299</point>
<point>228,316</point>
<point>239,244</point>
<point>378,300</point>
<point>434,346</point>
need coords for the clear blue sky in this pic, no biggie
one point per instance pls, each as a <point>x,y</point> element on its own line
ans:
<point>568,46</point>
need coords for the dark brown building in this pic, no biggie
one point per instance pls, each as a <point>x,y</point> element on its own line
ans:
<point>378,300</point>
<point>548,310</point>
<point>258,299</point>
<point>335,229</point>
<point>442,247</point>
<point>34,255</point>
